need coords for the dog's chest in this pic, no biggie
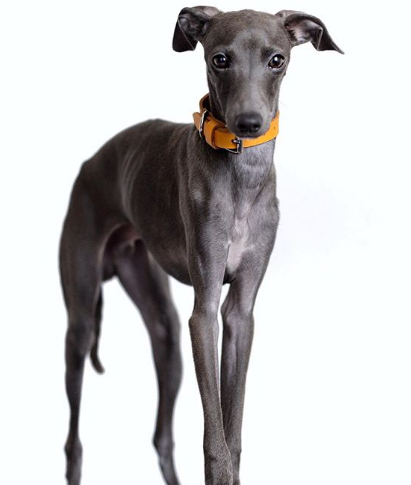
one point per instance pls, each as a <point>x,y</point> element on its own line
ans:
<point>240,240</point>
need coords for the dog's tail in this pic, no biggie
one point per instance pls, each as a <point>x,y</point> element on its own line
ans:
<point>95,360</point>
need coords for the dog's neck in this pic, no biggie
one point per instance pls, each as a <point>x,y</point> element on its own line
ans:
<point>254,166</point>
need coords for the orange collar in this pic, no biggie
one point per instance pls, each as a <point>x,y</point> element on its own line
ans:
<point>217,135</point>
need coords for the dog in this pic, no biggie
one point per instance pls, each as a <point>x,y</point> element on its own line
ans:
<point>194,201</point>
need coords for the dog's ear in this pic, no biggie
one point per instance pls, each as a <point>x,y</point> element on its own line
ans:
<point>302,28</point>
<point>191,27</point>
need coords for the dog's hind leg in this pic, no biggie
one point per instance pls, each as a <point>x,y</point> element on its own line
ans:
<point>81,269</point>
<point>83,288</point>
<point>147,285</point>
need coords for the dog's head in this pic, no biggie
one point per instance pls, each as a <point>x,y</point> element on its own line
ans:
<point>247,54</point>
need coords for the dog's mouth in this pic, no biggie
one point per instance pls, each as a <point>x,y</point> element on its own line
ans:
<point>250,133</point>
<point>249,136</point>
<point>248,124</point>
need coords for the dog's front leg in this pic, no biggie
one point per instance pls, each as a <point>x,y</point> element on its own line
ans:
<point>238,329</point>
<point>207,254</point>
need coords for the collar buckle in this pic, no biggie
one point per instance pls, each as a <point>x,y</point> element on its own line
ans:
<point>239,146</point>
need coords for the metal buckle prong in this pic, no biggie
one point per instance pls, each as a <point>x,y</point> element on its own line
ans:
<point>239,148</point>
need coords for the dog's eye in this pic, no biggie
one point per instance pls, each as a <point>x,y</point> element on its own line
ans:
<point>276,62</point>
<point>220,61</point>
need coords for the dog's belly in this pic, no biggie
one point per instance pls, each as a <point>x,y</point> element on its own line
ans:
<point>173,259</point>
<point>165,240</point>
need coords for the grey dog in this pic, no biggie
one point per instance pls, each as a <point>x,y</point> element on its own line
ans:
<point>157,200</point>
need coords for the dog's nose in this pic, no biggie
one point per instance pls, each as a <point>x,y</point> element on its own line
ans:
<point>249,123</point>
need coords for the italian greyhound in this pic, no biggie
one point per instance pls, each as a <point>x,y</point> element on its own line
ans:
<point>159,200</point>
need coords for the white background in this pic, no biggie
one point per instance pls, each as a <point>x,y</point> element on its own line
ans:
<point>328,394</point>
